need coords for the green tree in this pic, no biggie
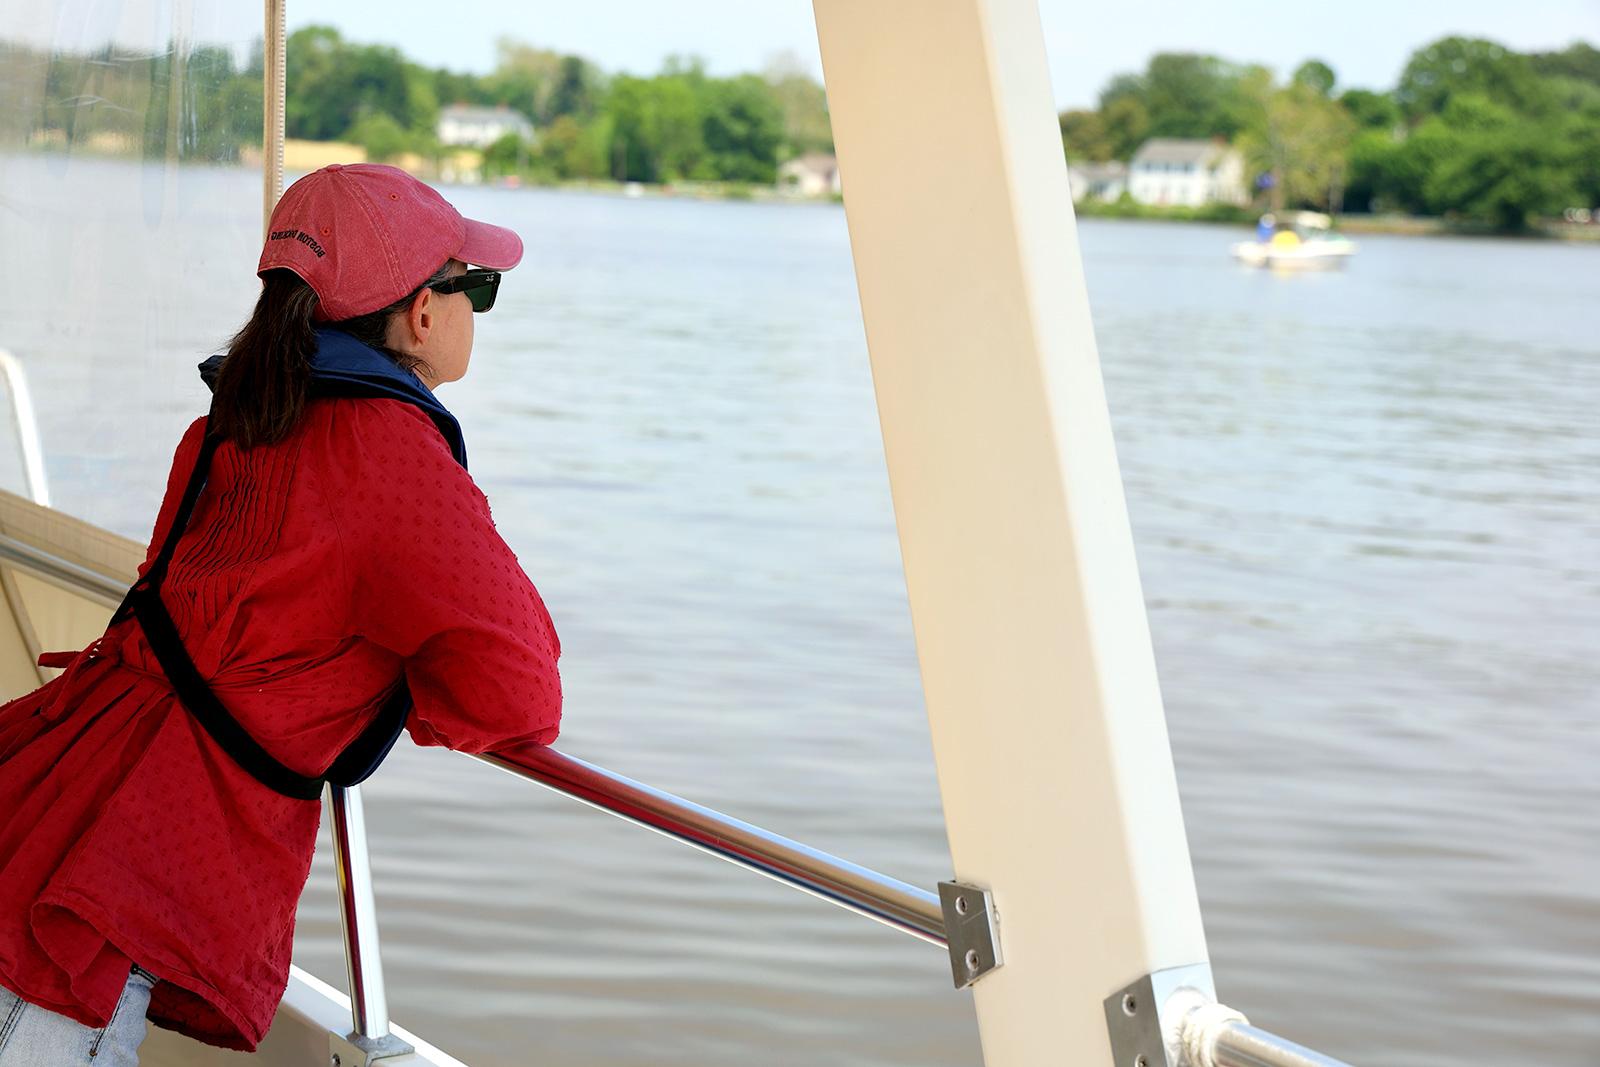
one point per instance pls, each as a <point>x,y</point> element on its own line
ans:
<point>421,109</point>
<point>570,149</point>
<point>1316,75</point>
<point>524,78</point>
<point>1371,110</point>
<point>575,90</point>
<point>1380,178</point>
<point>677,129</point>
<point>380,135</point>
<point>1194,96</point>
<point>507,154</point>
<point>1573,97</point>
<point>312,57</point>
<point>1127,123</point>
<point>591,154</point>
<point>330,83</point>
<point>806,127</point>
<point>1579,60</point>
<point>1178,95</point>
<point>557,143</point>
<point>1084,136</point>
<point>684,124</point>
<point>1122,87</point>
<point>1302,138</point>
<point>1583,140</point>
<point>1452,66</point>
<point>1483,161</point>
<point>1504,177</point>
<point>656,128</point>
<point>742,128</point>
<point>449,87</point>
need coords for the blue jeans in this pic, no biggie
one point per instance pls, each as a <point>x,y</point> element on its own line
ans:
<point>31,1036</point>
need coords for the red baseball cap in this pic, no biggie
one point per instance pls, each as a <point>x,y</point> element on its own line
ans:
<point>363,235</point>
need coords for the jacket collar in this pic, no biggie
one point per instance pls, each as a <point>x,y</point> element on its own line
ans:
<point>344,366</point>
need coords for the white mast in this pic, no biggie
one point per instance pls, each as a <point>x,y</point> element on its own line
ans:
<point>1047,725</point>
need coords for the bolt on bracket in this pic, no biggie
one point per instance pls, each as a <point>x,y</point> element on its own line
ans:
<point>1145,1019</point>
<point>972,930</point>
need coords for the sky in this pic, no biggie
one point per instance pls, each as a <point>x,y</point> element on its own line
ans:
<point>1365,41</point>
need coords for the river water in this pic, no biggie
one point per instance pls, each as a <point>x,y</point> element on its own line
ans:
<point>1367,513</point>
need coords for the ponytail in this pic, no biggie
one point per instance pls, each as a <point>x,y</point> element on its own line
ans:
<point>262,386</point>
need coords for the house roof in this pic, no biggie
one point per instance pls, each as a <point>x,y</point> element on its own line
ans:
<point>473,113</point>
<point>1178,150</point>
<point>1098,172</point>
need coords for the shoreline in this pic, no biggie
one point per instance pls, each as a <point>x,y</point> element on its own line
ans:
<point>1212,214</point>
<point>1353,223</point>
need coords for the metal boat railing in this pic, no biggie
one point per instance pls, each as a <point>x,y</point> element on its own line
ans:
<point>866,892</point>
<point>1198,1039</point>
<point>27,427</point>
<point>62,573</point>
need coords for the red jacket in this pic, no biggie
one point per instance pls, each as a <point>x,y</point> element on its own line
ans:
<point>312,572</point>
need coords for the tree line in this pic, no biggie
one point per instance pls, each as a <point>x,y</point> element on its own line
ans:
<point>679,124</point>
<point>205,104</point>
<point>1473,130</point>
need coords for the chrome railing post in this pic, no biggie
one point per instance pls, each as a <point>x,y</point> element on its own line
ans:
<point>358,915</point>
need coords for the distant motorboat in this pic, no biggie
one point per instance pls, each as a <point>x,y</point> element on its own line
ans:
<point>1303,241</point>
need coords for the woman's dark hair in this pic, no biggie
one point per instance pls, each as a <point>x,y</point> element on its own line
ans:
<point>262,387</point>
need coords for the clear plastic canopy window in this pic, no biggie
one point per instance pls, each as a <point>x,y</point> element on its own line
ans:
<point>130,218</point>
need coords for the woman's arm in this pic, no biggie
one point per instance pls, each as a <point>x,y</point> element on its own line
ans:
<point>435,583</point>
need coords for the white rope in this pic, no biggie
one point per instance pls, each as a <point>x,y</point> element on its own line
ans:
<point>1202,1026</point>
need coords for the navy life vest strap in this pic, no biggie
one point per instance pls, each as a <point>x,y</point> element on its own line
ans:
<point>343,367</point>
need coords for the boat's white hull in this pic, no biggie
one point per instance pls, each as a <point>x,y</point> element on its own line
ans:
<point>1311,255</point>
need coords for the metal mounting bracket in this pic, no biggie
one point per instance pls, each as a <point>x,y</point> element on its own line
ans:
<point>1144,1019</point>
<point>353,1050</point>
<point>972,929</point>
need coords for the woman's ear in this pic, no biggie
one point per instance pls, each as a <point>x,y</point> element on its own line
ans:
<point>416,323</point>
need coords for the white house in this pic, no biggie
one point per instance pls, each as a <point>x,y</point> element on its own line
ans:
<point>813,174</point>
<point>1171,171</point>
<point>480,127</point>
<point>1097,181</point>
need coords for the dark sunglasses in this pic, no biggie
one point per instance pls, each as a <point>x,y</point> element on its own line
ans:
<point>479,285</point>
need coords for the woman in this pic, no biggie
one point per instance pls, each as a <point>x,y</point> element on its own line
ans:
<point>322,570</point>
